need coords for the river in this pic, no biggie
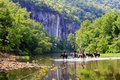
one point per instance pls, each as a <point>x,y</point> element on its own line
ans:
<point>67,70</point>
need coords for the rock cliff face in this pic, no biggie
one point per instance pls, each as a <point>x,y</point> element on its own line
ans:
<point>54,23</point>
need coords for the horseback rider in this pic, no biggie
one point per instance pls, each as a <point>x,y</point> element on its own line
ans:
<point>64,55</point>
<point>89,54</point>
<point>75,54</point>
<point>83,52</point>
<point>97,53</point>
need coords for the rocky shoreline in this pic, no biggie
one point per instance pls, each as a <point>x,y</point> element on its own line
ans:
<point>6,65</point>
<point>10,63</point>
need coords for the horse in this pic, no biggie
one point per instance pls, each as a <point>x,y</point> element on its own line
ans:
<point>96,55</point>
<point>90,55</point>
<point>81,56</point>
<point>64,55</point>
<point>74,55</point>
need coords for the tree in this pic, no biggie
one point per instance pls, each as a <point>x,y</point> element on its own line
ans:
<point>102,34</point>
<point>19,33</point>
<point>71,41</point>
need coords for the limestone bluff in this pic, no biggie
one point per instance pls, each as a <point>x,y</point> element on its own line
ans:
<point>55,24</point>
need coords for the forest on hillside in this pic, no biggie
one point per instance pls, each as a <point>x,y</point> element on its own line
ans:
<point>19,33</point>
<point>77,10</point>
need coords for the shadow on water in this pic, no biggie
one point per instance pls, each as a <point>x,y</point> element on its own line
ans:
<point>92,70</point>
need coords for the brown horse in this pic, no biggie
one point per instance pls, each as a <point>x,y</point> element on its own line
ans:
<point>74,54</point>
<point>96,55</point>
<point>90,55</point>
<point>64,55</point>
<point>82,56</point>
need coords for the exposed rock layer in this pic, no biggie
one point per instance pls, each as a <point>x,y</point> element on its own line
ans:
<point>54,24</point>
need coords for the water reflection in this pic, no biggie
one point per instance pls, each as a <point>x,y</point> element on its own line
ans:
<point>93,70</point>
<point>64,71</point>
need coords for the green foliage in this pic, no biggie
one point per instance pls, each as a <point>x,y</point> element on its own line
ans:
<point>102,34</point>
<point>110,55</point>
<point>19,33</point>
<point>71,41</point>
<point>24,59</point>
<point>3,76</point>
<point>73,10</point>
<point>115,47</point>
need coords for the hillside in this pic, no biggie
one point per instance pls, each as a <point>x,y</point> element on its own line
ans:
<point>75,9</point>
<point>62,17</point>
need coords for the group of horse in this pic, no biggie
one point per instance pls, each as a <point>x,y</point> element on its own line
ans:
<point>75,55</point>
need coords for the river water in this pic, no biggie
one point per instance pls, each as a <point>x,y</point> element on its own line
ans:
<point>58,69</point>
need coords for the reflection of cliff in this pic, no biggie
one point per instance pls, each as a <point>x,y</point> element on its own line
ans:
<point>54,23</point>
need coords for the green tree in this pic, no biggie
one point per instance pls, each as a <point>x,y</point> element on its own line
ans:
<point>71,41</point>
<point>19,33</point>
<point>102,34</point>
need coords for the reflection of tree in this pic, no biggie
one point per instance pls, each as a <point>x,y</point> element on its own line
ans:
<point>26,74</point>
<point>89,65</point>
<point>74,71</point>
<point>94,70</point>
<point>96,64</point>
<point>75,67</point>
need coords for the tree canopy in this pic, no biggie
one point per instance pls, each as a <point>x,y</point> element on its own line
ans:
<point>77,10</point>
<point>19,33</point>
<point>102,34</point>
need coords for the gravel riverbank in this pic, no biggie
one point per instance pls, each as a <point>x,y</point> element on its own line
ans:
<point>9,62</point>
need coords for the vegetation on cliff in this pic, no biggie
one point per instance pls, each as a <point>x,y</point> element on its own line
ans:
<point>74,10</point>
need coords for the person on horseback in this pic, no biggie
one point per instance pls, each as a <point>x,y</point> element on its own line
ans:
<point>89,54</point>
<point>83,54</point>
<point>97,53</point>
<point>64,55</point>
<point>75,54</point>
